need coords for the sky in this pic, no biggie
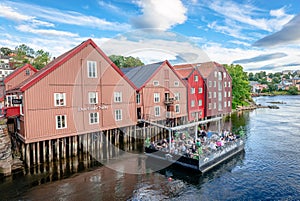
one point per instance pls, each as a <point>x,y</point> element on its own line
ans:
<point>259,35</point>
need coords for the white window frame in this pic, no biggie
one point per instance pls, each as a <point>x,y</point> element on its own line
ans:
<point>215,94</point>
<point>177,96</point>
<point>209,94</point>
<point>176,83</point>
<point>196,78</point>
<point>118,115</point>
<point>155,83</point>
<point>58,97</point>
<point>93,97</point>
<point>157,111</point>
<point>200,90</point>
<point>215,105</point>
<point>117,97</point>
<point>215,83</point>
<point>92,69</point>
<point>193,90</point>
<point>192,103</point>
<point>228,104</point>
<point>228,84</point>
<point>225,104</point>
<point>138,98</point>
<point>177,108</point>
<point>200,102</point>
<point>94,117</point>
<point>156,97</point>
<point>216,74</point>
<point>225,84</point>
<point>209,106</point>
<point>57,120</point>
<point>229,94</point>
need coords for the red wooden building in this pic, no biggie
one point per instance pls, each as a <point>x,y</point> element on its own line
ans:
<point>195,90</point>
<point>161,93</point>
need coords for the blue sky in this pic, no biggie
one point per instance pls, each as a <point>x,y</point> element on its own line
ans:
<point>259,35</point>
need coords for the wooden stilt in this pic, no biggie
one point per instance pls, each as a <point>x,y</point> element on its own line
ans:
<point>38,151</point>
<point>27,155</point>
<point>33,153</point>
<point>44,151</point>
<point>50,154</point>
<point>57,150</point>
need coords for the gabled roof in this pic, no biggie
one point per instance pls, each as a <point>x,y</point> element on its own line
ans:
<point>61,60</point>
<point>141,74</point>
<point>206,68</point>
<point>18,71</point>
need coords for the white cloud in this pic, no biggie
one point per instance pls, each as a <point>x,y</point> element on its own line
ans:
<point>41,14</point>
<point>249,15</point>
<point>161,14</point>
<point>13,14</point>
<point>45,32</point>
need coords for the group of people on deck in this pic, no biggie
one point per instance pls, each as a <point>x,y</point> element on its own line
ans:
<point>194,147</point>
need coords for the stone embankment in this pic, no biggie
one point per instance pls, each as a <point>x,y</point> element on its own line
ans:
<point>6,159</point>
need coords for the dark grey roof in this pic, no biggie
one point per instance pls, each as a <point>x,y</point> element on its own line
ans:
<point>140,74</point>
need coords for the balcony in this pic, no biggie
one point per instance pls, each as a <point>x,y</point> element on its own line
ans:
<point>169,101</point>
<point>170,114</point>
<point>12,111</point>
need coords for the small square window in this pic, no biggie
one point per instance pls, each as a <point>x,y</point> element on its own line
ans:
<point>94,118</point>
<point>59,99</point>
<point>156,83</point>
<point>118,97</point>
<point>61,121</point>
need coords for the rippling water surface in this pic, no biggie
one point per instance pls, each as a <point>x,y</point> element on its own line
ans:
<point>269,169</point>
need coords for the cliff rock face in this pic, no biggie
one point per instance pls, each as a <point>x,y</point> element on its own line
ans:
<point>5,151</point>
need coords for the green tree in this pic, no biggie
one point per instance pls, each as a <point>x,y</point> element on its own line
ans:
<point>125,62</point>
<point>41,59</point>
<point>293,90</point>
<point>5,51</point>
<point>240,85</point>
<point>251,76</point>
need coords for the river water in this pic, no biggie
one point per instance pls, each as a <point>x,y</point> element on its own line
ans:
<point>269,169</point>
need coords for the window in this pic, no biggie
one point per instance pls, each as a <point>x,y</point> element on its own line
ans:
<point>157,111</point>
<point>200,90</point>
<point>209,84</point>
<point>156,97</point>
<point>228,84</point>
<point>138,98</point>
<point>59,99</point>
<point>224,74</point>
<point>200,102</point>
<point>94,118</point>
<point>177,96</point>
<point>196,78</point>
<point>92,69</point>
<point>228,93</point>
<point>192,90</point>
<point>177,108</point>
<point>118,97</point>
<point>155,83</point>
<point>225,84</point>
<point>225,94</point>
<point>209,94</point>
<point>215,94</point>
<point>220,76</point>
<point>93,97</point>
<point>220,96</point>
<point>220,106</point>
<point>209,106</point>
<point>118,115</point>
<point>225,104</point>
<point>216,74</point>
<point>27,72</point>
<point>61,121</point>
<point>176,83</point>
<point>215,105</point>
<point>215,83</point>
<point>228,104</point>
<point>192,103</point>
